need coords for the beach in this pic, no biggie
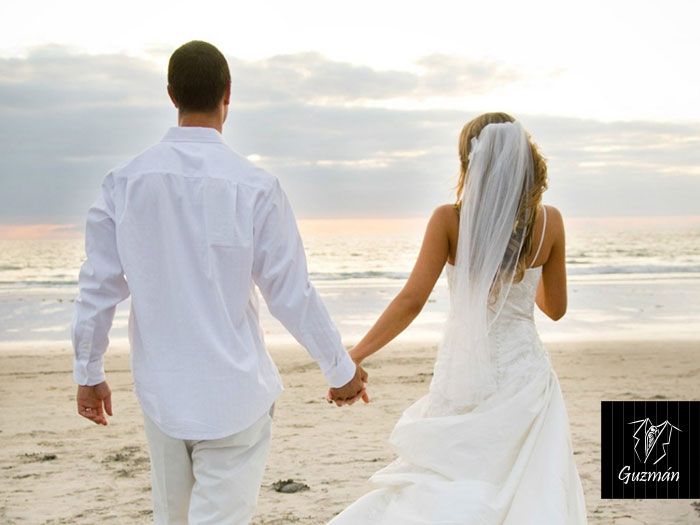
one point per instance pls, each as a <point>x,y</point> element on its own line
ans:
<point>630,333</point>
<point>59,468</point>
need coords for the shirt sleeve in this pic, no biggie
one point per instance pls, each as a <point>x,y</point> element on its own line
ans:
<point>280,271</point>
<point>102,286</point>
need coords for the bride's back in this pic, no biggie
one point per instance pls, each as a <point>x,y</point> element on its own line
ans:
<point>544,262</point>
<point>539,235</point>
<point>516,347</point>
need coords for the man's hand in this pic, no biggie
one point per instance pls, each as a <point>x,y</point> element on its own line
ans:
<point>352,391</point>
<point>94,401</point>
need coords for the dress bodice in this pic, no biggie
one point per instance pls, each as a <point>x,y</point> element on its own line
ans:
<point>515,344</point>
<point>520,302</point>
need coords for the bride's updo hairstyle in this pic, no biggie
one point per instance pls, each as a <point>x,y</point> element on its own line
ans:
<point>529,203</point>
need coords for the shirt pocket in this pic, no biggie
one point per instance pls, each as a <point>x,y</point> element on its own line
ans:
<point>220,213</point>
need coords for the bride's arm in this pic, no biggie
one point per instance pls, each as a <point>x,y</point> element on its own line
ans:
<point>551,295</point>
<point>413,296</point>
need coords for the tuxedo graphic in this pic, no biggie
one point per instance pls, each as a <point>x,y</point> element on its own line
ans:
<point>651,441</point>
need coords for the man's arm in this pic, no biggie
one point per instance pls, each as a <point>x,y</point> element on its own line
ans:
<point>280,271</point>
<point>101,287</point>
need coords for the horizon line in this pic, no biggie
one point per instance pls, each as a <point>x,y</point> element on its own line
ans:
<point>71,230</point>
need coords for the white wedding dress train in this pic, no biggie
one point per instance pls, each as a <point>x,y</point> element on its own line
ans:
<point>507,459</point>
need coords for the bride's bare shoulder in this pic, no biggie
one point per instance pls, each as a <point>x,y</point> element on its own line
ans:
<point>446,219</point>
<point>552,211</point>
<point>447,216</point>
<point>554,219</point>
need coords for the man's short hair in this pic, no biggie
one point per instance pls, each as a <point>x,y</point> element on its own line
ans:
<point>198,76</point>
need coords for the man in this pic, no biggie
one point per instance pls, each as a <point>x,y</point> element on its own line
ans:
<point>187,228</point>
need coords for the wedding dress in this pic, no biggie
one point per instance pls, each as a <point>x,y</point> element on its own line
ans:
<point>501,454</point>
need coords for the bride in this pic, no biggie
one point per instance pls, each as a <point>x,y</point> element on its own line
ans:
<point>490,441</point>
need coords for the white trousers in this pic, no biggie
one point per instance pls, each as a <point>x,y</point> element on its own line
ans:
<point>207,482</point>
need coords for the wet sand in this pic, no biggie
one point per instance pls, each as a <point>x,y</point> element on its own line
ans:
<point>59,468</point>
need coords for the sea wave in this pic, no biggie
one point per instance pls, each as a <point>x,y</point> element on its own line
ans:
<point>30,282</point>
<point>678,269</point>
<point>590,269</point>
<point>346,276</point>
<point>644,269</point>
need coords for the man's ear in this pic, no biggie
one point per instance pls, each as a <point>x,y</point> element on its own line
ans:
<point>227,95</point>
<point>172,98</point>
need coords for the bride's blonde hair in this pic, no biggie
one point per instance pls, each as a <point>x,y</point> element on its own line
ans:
<point>528,203</point>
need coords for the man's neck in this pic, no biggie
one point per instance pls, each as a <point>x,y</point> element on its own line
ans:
<point>201,120</point>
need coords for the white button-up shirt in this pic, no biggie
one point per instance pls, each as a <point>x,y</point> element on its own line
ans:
<point>187,228</point>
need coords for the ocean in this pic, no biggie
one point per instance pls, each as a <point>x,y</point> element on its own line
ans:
<point>629,279</point>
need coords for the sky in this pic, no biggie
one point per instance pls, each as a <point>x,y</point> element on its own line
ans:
<point>357,107</point>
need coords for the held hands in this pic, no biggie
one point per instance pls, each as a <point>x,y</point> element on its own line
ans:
<point>352,391</point>
<point>94,401</point>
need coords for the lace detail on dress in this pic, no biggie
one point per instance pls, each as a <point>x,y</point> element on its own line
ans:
<point>516,348</point>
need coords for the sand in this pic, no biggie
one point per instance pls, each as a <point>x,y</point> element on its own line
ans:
<point>59,468</point>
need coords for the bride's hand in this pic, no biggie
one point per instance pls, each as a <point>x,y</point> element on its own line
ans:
<point>363,395</point>
<point>363,373</point>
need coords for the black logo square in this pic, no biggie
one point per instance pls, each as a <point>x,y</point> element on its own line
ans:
<point>650,449</point>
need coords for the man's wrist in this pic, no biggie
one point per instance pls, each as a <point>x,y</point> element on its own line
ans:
<point>91,384</point>
<point>88,374</point>
<point>82,379</point>
<point>342,372</point>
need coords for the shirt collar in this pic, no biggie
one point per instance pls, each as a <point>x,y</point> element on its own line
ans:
<point>192,134</point>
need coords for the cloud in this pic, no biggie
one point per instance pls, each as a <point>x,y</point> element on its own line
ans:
<point>310,77</point>
<point>448,75</point>
<point>52,78</point>
<point>323,128</point>
<point>313,78</point>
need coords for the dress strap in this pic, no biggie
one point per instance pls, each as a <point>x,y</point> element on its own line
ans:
<point>544,227</point>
